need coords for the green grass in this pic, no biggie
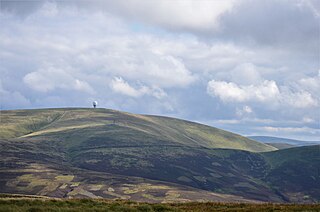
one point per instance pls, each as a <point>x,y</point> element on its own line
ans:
<point>21,122</point>
<point>122,127</point>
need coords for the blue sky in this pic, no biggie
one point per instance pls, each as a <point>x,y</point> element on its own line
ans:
<point>248,66</point>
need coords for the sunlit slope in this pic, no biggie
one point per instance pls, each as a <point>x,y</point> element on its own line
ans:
<point>281,145</point>
<point>21,122</point>
<point>114,128</point>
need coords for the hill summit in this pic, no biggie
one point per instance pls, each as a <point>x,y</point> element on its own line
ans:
<point>119,129</point>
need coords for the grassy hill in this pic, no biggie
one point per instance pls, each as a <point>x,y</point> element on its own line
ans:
<point>284,141</point>
<point>120,128</point>
<point>102,153</point>
<point>281,145</point>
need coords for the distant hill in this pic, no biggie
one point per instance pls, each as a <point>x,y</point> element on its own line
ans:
<point>102,153</point>
<point>281,145</point>
<point>269,140</point>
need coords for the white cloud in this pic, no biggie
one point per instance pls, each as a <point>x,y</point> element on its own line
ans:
<point>229,91</point>
<point>267,92</point>
<point>226,121</point>
<point>290,129</point>
<point>158,70</point>
<point>245,110</point>
<point>45,80</point>
<point>246,74</point>
<point>307,120</point>
<point>120,86</point>
<point>300,99</point>
<point>311,84</point>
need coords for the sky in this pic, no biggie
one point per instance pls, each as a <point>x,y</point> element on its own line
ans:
<point>248,66</point>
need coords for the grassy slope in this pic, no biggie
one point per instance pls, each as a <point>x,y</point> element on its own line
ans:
<point>122,126</point>
<point>21,122</point>
<point>166,149</point>
<point>270,139</point>
<point>281,145</point>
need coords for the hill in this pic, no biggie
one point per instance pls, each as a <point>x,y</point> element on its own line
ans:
<point>281,145</point>
<point>295,169</point>
<point>120,129</point>
<point>272,140</point>
<point>109,154</point>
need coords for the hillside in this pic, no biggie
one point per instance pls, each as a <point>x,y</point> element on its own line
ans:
<point>120,129</point>
<point>285,141</point>
<point>111,154</point>
<point>281,145</point>
<point>295,169</point>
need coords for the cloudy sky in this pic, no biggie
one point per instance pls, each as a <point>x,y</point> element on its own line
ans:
<point>249,66</point>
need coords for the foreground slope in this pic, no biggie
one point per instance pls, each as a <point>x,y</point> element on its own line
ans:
<point>30,203</point>
<point>111,154</point>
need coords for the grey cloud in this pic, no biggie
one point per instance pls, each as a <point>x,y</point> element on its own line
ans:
<point>289,24</point>
<point>283,24</point>
<point>12,99</point>
<point>21,8</point>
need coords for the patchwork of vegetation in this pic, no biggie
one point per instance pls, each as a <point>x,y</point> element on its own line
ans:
<point>99,153</point>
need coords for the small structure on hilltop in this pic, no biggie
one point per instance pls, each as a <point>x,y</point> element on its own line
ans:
<point>94,103</point>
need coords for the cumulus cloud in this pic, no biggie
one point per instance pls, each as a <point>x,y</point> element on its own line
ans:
<point>307,120</point>
<point>266,92</point>
<point>162,71</point>
<point>46,80</point>
<point>229,91</point>
<point>120,86</point>
<point>300,99</point>
<point>245,110</point>
<point>312,84</point>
